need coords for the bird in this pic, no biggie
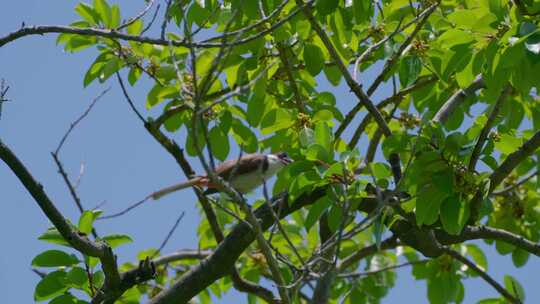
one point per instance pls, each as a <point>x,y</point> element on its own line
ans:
<point>244,174</point>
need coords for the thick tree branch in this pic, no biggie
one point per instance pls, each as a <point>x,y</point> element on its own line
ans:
<point>79,242</point>
<point>488,233</point>
<point>507,166</point>
<point>114,285</point>
<point>513,160</point>
<point>114,34</point>
<point>178,154</point>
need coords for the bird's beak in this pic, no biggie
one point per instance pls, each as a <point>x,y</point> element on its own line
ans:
<point>286,160</point>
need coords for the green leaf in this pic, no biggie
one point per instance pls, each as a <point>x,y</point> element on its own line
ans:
<point>427,205</point>
<point>158,93</point>
<point>443,288</point>
<point>303,28</point>
<point>314,59</point>
<point>324,137</point>
<point>325,7</point>
<point>306,136</point>
<point>317,152</point>
<point>134,75</point>
<point>334,218</point>
<point>77,277</point>
<point>115,16</point>
<point>275,120</point>
<point>255,110</point>
<point>409,70</point>
<point>95,69</point>
<point>53,236</point>
<point>362,10</point>
<point>302,182</point>
<point>454,214</point>
<point>112,66</point>
<point>332,74</point>
<point>381,171</point>
<point>508,143</point>
<point>86,221</point>
<point>520,257</point>
<point>514,287</point>
<point>136,27</point>
<point>87,13</point>
<point>66,299</point>
<point>52,285</point>
<point>478,256</point>
<point>104,11</point>
<point>54,258</point>
<point>444,180</point>
<point>326,98</point>
<point>244,136</point>
<point>115,240</point>
<point>219,142</point>
<point>315,211</point>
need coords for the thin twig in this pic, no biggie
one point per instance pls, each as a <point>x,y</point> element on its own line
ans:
<point>128,209</point>
<point>282,49</point>
<point>422,19</point>
<point>505,293</point>
<point>237,91</point>
<point>171,231</point>
<point>367,53</point>
<point>128,98</point>
<point>3,92</point>
<point>78,120</point>
<point>165,19</point>
<point>149,25</point>
<point>139,16</point>
<point>280,227</point>
<point>514,186</point>
<point>353,85</point>
<point>355,275</point>
<point>254,25</point>
<point>487,127</point>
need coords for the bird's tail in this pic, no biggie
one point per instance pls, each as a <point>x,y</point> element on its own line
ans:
<point>197,181</point>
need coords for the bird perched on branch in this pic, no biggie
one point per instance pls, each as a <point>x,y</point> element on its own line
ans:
<point>244,174</point>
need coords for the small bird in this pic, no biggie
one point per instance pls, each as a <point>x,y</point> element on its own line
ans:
<point>244,174</point>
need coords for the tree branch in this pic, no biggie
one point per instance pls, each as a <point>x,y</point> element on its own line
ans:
<point>455,100</point>
<point>422,18</point>
<point>483,275</point>
<point>489,233</point>
<point>114,285</point>
<point>353,85</point>
<point>487,127</point>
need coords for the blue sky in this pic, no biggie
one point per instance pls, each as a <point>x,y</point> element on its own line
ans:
<point>122,162</point>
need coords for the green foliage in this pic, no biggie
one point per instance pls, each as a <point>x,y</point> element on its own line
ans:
<point>251,101</point>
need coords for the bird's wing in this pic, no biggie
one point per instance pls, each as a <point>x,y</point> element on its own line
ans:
<point>247,163</point>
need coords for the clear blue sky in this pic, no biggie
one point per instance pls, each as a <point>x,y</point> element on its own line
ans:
<point>122,162</point>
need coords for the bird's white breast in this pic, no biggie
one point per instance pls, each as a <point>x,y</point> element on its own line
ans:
<point>247,182</point>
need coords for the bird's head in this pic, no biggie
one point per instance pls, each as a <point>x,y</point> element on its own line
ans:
<point>283,158</point>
